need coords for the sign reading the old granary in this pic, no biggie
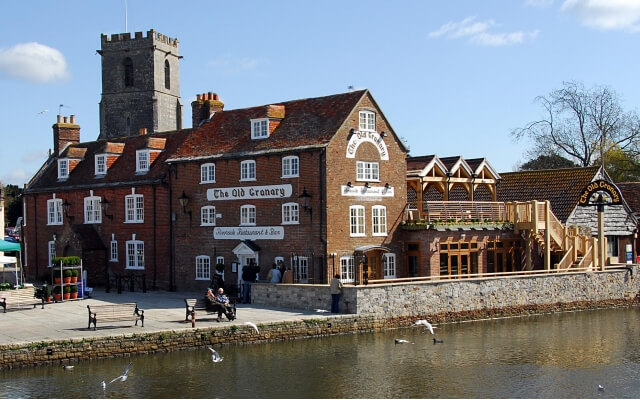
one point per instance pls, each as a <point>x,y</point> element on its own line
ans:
<point>357,138</point>
<point>249,232</point>
<point>586,196</point>
<point>250,192</point>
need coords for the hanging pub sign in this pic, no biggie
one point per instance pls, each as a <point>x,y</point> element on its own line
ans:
<point>599,186</point>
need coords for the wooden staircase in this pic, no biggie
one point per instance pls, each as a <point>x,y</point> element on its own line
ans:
<point>574,246</point>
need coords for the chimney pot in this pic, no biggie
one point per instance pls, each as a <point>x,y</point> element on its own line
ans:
<point>59,118</point>
<point>199,97</point>
<point>73,119</point>
<point>65,119</point>
<point>215,96</point>
<point>210,96</point>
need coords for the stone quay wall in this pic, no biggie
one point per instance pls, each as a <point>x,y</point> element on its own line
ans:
<point>461,296</point>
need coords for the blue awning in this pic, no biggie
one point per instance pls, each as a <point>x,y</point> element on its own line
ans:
<point>9,246</point>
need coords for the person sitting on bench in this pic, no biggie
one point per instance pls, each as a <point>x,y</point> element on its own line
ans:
<point>219,303</point>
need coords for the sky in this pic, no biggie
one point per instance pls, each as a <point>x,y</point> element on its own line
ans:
<point>453,77</point>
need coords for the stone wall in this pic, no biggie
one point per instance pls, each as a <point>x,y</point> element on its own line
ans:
<point>434,297</point>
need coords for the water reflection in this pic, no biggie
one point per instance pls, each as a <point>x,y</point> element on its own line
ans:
<point>559,356</point>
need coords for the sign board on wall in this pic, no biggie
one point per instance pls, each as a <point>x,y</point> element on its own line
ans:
<point>372,137</point>
<point>250,192</point>
<point>249,232</point>
<point>362,191</point>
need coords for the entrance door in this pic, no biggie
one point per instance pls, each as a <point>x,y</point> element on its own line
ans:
<point>242,261</point>
<point>373,266</point>
<point>412,261</point>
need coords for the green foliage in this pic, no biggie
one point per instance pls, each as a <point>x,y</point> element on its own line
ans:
<point>67,261</point>
<point>75,273</point>
<point>547,161</point>
<point>5,286</point>
<point>57,290</point>
<point>12,203</point>
<point>67,273</point>
<point>74,289</point>
<point>67,289</point>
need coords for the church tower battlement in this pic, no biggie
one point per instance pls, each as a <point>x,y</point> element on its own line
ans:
<point>140,84</point>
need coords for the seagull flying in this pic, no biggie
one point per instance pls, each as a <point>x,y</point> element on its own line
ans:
<point>215,357</point>
<point>43,111</point>
<point>402,341</point>
<point>251,324</point>
<point>320,310</point>
<point>122,377</point>
<point>426,324</point>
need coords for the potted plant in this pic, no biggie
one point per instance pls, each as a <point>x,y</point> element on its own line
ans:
<point>67,276</point>
<point>57,293</point>
<point>74,291</point>
<point>66,292</point>
<point>74,275</point>
<point>46,293</point>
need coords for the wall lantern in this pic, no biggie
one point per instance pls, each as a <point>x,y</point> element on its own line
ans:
<point>305,199</point>
<point>387,186</point>
<point>104,203</point>
<point>367,185</point>
<point>349,184</point>
<point>66,206</point>
<point>184,200</point>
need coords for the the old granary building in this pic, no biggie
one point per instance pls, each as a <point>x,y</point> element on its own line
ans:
<point>318,186</point>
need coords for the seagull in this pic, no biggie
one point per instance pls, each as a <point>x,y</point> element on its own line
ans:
<point>251,324</point>
<point>215,357</point>
<point>42,112</point>
<point>122,377</point>
<point>68,367</point>
<point>426,324</point>
<point>437,341</point>
<point>320,310</point>
<point>402,341</point>
<point>600,387</point>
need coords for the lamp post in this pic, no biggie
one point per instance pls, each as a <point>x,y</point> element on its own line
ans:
<point>600,203</point>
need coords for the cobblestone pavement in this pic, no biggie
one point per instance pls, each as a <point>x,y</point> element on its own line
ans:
<point>163,311</point>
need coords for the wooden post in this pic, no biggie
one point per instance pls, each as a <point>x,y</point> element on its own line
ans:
<point>547,235</point>
<point>528,246</point>
<point>601,241</point>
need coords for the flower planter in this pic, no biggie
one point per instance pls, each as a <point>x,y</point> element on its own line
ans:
<point>57,280</point>
<point>57,296</point>
<point>66,296</point>
<point>74,295</point>
<point>74,279</point>
<point>66,280</point>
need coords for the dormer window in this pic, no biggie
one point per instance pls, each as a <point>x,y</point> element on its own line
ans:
<point>367,121</point>
<point>260,128</point>
<point>101,164</point>
<point>63,168</point>
<point>142,160</point>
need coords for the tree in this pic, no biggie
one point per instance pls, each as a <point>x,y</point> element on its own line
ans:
<point>12,204</point>
<point>621,166</point>
<point>551,161</point>
<point>582,124</point>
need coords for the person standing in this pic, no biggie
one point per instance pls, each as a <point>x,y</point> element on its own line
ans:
<point>336,291</point>
<point>274,275</point>
<point>248,277</point>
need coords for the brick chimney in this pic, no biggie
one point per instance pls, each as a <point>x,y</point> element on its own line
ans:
<point>203,107</point>
<point>65,132</point>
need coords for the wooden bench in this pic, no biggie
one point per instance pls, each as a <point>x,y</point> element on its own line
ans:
<point>19,298</point>
<point>114,312</point>
<point>193,305</point>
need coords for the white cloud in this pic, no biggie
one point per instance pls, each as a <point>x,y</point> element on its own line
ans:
<point>15,177</point>
<point>38,155</point>
<point>478,33</point>
<point>33,62</point>
<point>606,14</point>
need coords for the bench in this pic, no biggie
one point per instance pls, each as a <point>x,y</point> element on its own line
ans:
<point>114,312</point>
<point>193,305</point>
<point>19,298</point>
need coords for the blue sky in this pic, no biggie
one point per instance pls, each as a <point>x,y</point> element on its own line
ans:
<point>452,77</point>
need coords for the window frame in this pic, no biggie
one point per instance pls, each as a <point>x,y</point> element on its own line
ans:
<point>205,173</point>
<point>63,168</point>
<point>259,128</point>
<point>102,163</point>
<point>54,211</point>
<point>51,251</point>
<point>138,244</point>
<point>140,166</point>
<point>248,215</point>
<point>300,268</point>
<point>379,228</point>
<point>210,211</point>
<point>290,213</point>
<point>247,167</point>
<point>389,264</point>
<point>93,215</point>
<point>113,250</point>
<point>203,268</point>
<point>134,213</point>
<point>347,269</point>
<point>287,167</point>
<point>367,121</point>
<point>357,222</point>
<point>365,171</point>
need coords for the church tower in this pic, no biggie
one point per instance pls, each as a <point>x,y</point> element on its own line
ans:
<point>140,84</point>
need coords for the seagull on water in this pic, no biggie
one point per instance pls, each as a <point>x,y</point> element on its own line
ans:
<point>402,341</point>
<point>426,324</point>
<point>600,387</point>
<point>121,378</point>
<point>251,324</point>
<point>215,357</point>
<point>437,341</point>
<point>68,367</point>
<point>320,310</point>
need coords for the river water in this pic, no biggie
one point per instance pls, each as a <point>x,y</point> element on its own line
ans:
<point>565,355</point>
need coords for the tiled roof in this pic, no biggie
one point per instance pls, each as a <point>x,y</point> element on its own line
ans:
<point>562,187</point>
<point>419,162</point>
<point>631,193</point>
<point>307,123</point>
<point>122,170</point>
